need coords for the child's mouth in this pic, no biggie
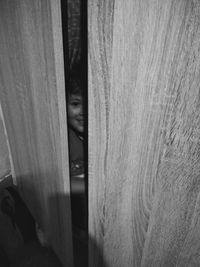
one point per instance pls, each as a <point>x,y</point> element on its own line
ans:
<point>81,121</point>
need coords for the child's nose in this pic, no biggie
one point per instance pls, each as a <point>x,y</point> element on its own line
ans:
<point>82,110</point>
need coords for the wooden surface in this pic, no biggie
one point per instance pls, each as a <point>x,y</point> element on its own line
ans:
<point>33,102</point>
<point>144,133</point>
<point>5,167</point>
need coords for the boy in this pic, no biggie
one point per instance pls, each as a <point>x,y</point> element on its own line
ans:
<point>76,129</point>
<point>76,124</point>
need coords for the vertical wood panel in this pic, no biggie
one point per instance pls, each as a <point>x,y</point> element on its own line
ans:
<point>144,117</point>
<point>5,167</point>
<point>33,100</point>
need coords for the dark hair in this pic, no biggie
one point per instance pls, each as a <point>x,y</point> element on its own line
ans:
<point>74,86</point>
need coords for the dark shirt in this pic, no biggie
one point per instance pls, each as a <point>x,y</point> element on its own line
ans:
<point>76,153</point>
<point>78,193</point>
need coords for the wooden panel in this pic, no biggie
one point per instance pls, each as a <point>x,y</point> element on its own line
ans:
<point>144,133</point>
<point>33,101</point>
<point>5,167</point>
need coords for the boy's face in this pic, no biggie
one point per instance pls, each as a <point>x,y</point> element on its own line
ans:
<point>75,113</point>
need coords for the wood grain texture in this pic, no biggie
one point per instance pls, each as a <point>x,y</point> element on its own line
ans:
<point>144,133</point>
<point>5,167</point>
<point>33,101</point>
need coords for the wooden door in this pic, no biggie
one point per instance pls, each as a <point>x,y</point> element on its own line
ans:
<point>144,133</point>
<point>5,166</point>
<point>32,93</point>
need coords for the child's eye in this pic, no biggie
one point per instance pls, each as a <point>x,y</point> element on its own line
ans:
<point>75,104</point>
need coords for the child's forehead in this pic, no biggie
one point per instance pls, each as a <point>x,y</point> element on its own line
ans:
<point>75,96</point>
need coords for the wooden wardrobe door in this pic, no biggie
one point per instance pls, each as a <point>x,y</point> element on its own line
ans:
<point>32,92</point>
<point>144,133</point>
<point>5,166</point>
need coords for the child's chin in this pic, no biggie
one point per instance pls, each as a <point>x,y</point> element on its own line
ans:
<point>79,130</point>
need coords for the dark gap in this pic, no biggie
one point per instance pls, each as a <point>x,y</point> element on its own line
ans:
<point>75,62</point>
<point>64,11</point>
<point>85,83</point>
